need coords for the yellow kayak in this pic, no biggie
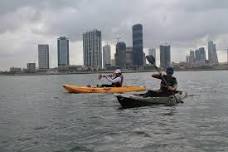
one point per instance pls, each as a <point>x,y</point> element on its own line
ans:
<point>85,89</point>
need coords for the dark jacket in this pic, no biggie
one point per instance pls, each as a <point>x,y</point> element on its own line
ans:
<point>166,80</point>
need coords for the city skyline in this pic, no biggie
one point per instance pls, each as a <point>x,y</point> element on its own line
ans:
<point>200,56</point>
<point>29,23</point>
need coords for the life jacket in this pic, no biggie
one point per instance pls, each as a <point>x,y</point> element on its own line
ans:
<point>170,80</point>
<point>118,84</point>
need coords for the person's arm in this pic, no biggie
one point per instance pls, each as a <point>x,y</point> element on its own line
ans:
<point>100,76</point>
<point>157,76</point>
<point>118,79</point>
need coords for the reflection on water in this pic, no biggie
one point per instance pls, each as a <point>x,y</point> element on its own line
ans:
<point>36,114</point>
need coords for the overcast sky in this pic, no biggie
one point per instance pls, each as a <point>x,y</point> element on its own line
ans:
<point>185,24</point>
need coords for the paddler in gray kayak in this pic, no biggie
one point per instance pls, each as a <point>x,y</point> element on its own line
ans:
<point>116,79</point>
<point>168,84</point>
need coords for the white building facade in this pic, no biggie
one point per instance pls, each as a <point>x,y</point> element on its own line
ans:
<point>92,53</point>
<point>106,56</point>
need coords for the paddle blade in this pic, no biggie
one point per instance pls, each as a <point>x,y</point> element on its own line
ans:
<point>150,59</point>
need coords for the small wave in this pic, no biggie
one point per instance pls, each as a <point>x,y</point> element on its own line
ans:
<point>80,149</point>
<point>24,139</point>
<point>143,133</point>
<point>40,128</point>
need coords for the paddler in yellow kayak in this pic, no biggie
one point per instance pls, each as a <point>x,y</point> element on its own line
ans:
<point>116,79</point>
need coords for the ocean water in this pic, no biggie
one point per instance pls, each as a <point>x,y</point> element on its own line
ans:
<point>38,115</point>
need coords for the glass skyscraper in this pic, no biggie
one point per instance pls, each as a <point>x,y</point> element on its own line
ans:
<point>43,56</point>
<point>63,51</point>
<point>212,54</point>
<point>120,55</point>
<point>137,37</point>
<point>165,56</point>
<point>200,56</point>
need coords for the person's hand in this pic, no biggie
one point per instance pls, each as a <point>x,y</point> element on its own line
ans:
<point>162,73</point>
<point>171,88</point>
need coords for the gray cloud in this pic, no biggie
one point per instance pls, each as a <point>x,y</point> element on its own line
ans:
<point>175,19</point>
<point>182,23</point>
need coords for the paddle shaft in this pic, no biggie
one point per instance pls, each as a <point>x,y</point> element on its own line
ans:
<point>101,76</point>
<point>151,60</point>
<point>162,77</point>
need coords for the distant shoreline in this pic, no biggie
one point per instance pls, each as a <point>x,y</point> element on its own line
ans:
<point>99,72</point>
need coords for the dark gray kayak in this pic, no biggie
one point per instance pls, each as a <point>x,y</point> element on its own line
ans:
<point>131,101</point>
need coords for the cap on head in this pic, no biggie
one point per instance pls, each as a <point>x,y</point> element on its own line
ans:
<point>117,71</point>
<point>170,70</point>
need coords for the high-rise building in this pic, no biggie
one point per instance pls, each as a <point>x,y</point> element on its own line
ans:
<point>212,54</point>
<point>137,37</point>
<point>129,57</point>
<point>92,49</point>
<point>63,51</point>
<point>200,56</point>
<point>197,55</point>
<point>120,55</point>
<point>192,57</point>
<point>153,53</point>
<point>188,59</point>
<point>43,56</point>
<point>165,56</point>
<point>106,56</point>
<point>113,62</point>
<point>144,59</point>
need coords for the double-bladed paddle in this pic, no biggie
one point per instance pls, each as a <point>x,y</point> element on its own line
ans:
<point>151,60</point>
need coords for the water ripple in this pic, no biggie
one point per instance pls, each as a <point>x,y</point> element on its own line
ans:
<point>40,117</point>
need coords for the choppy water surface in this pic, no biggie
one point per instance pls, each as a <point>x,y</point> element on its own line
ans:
<point>37,115</point>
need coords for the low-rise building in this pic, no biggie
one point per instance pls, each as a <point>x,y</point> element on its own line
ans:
<point>15,70</point>
<point>31,67</point>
